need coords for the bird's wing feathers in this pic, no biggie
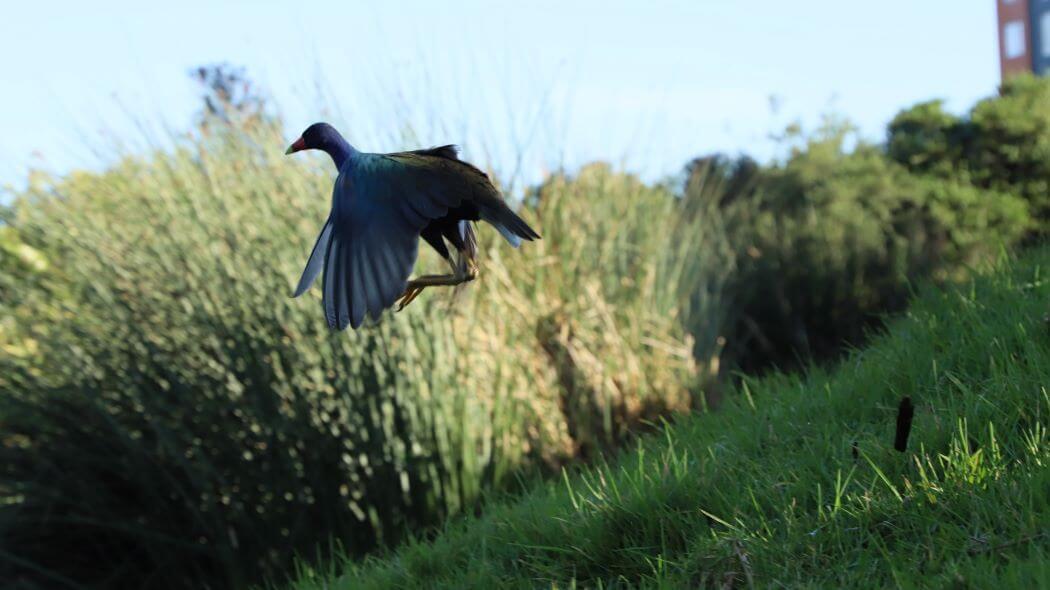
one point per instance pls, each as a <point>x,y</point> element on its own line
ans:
<point>438,172</point>
<point>438,177</point>
<point>366,272</point>
<point>316,260</point>
<point>380,204</point>
<point>449,152</point>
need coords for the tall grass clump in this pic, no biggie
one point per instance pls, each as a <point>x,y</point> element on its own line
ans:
<point>172,418</point>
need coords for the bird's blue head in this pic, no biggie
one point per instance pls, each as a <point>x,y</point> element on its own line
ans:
<point>324,137</point>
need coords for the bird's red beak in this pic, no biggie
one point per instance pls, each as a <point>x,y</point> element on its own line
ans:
<point>299,144</point>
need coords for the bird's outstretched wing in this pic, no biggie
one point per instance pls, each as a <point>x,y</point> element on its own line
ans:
<point>380,204</point>
<point>440,171</point>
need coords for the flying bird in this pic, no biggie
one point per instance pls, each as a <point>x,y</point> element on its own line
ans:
<point>381,205</point>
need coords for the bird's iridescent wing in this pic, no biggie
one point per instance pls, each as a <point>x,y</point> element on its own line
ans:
<point>316,260</point>
<point>380,204</point>
<point>437,174</point>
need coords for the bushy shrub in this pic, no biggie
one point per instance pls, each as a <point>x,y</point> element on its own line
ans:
<point>830,241</point>
<point>20,265</point>
<point>1010,143</point>
<point>927,139</point>
<point>1003,144</point>
<point>183,422</point>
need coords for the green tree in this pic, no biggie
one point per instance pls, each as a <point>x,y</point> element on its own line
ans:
<point>1003,143</point>
<point>830,240</point>
<point>1009,143</point>
<point>927,139</point>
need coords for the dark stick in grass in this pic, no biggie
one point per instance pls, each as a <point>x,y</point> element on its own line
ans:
<point>904,414</point>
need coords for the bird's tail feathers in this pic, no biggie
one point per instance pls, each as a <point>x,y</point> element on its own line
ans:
<point>509,225</point>
<point>508,235</point>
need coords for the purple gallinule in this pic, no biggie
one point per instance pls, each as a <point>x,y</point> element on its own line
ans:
<point>381,205</point>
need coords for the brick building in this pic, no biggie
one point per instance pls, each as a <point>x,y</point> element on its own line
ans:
<point>1024,36</point>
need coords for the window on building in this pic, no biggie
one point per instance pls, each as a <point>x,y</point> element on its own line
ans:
<point>1013,39</point>
<point>1045,33</point>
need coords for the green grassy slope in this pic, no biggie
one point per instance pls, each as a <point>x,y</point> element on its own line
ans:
<point>796,483</point>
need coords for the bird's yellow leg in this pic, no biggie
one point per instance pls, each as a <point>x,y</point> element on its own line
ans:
<point>416,285</point>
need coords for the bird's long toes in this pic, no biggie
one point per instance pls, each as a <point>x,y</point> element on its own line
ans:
<point>408,296</point>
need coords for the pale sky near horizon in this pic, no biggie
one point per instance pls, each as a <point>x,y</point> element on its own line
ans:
<point>523,86</point>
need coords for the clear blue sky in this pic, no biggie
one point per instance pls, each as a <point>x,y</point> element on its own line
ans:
<point>649,83</point>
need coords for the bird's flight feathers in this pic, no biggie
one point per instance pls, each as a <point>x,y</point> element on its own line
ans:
<point>380,205</point>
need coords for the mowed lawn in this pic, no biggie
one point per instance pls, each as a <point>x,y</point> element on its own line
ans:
<point>795,483</point>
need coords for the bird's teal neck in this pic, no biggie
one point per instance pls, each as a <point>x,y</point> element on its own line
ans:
<point>340,150</point>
